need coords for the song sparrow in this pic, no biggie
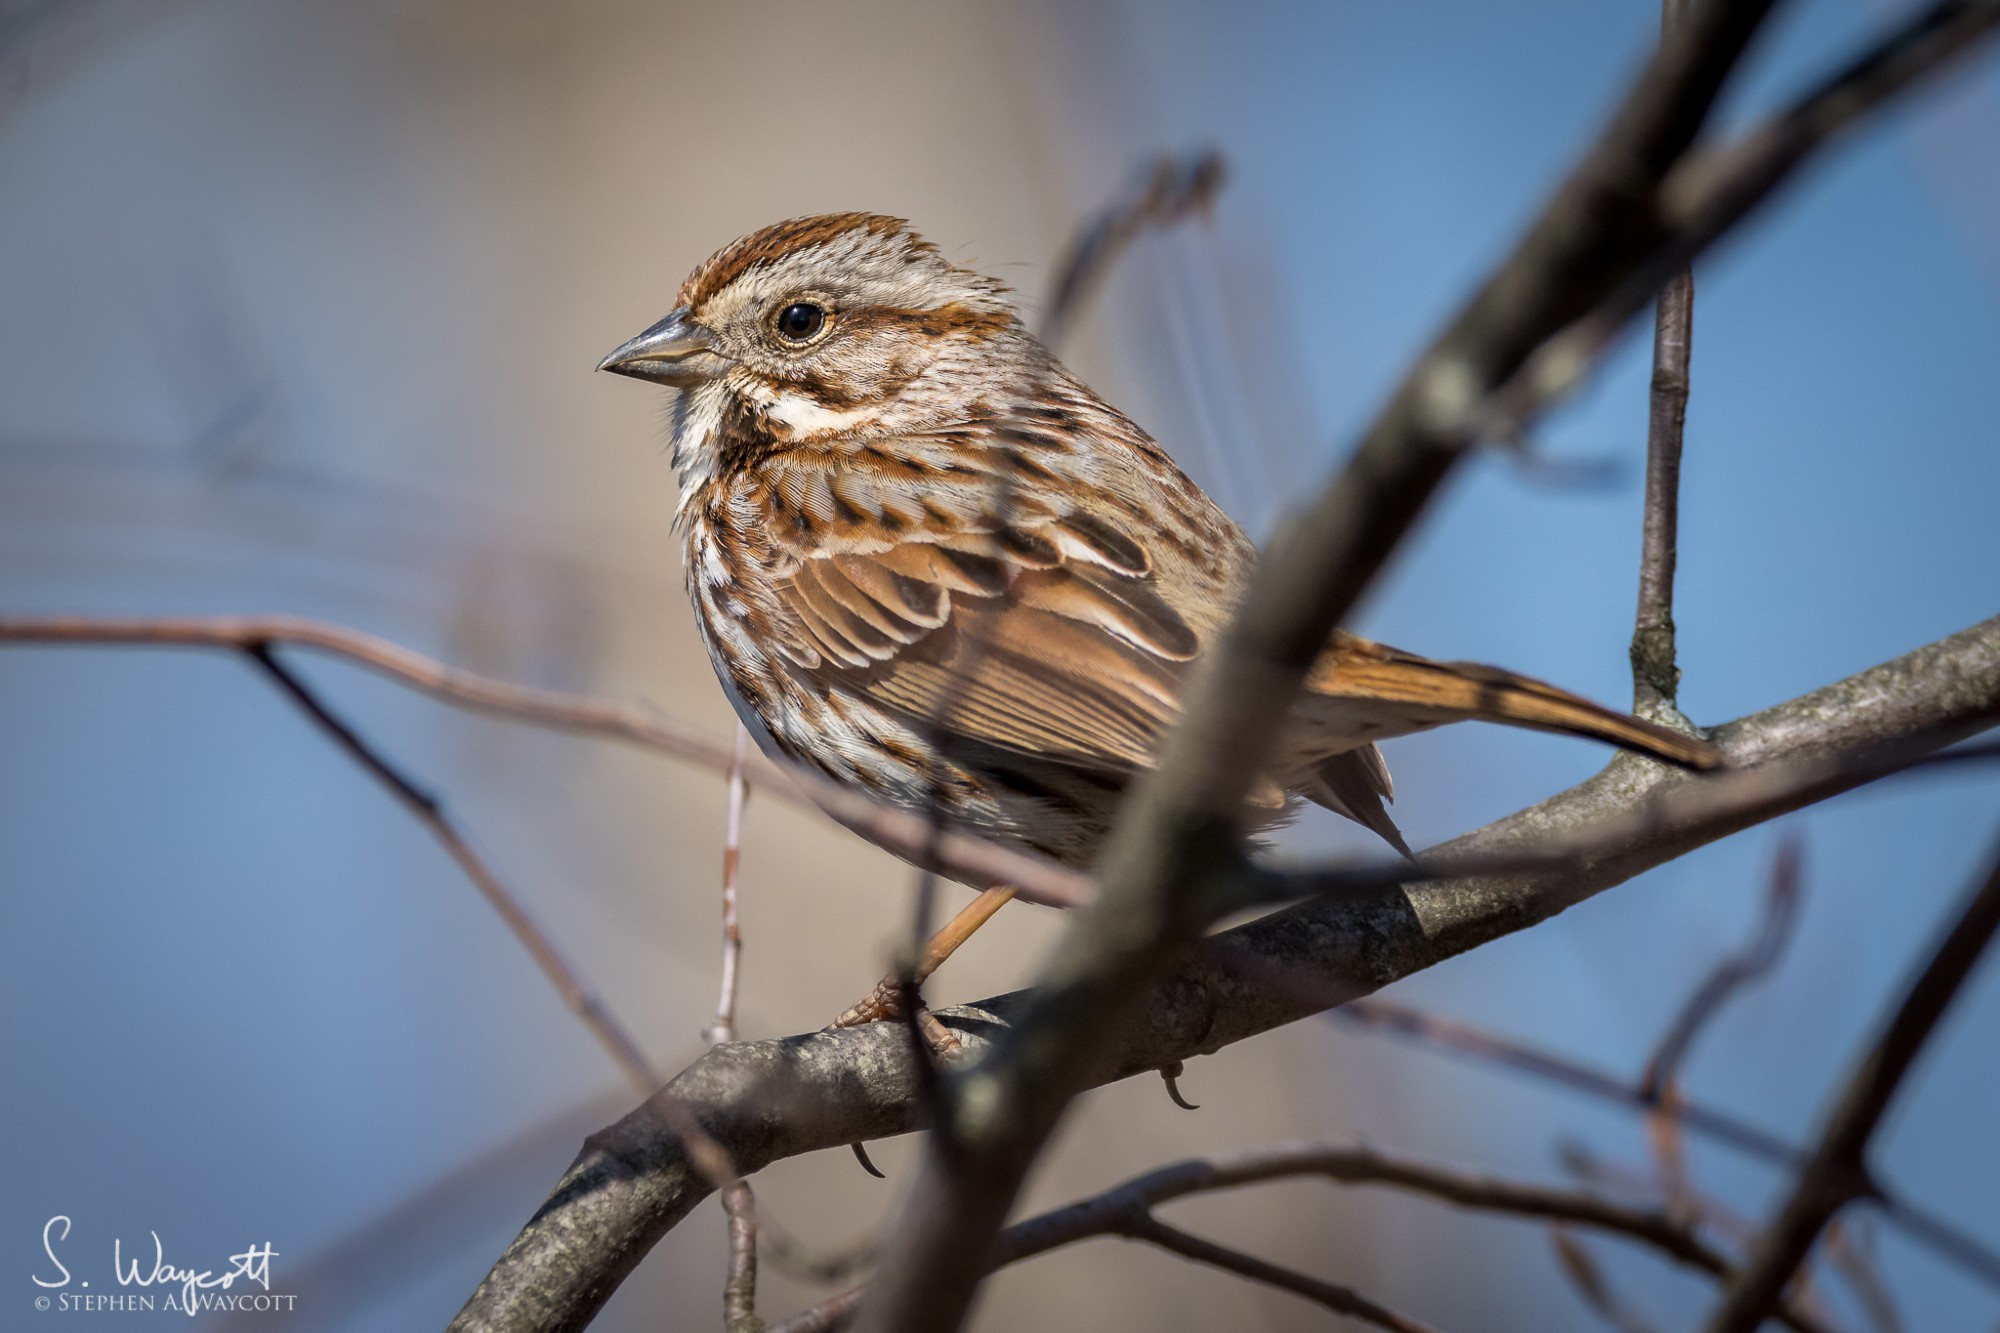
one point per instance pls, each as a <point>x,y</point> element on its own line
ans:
<point>929,562</point>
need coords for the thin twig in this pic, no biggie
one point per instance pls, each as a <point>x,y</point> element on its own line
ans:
<point>1579,1265</point>
<point>739,1290</point>
<point>1655,673</point>
<point>908,834</point>
<point>1838,1172</point>
<point>708,1156</point>
<point>1732,973</point>
<point>1337,1298</point>
<point>913,836</point>
<point>1173,187</point>
<point>582,1001</point>
<point>739,1205</point>
<point>1703,1213</point>
<point>1124,1208</point>
<point>724,1026</point>
<point>1374,1014</point>
<point>1850,1251</point>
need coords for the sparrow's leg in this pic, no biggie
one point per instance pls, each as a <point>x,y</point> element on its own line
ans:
<point>885,1001</point>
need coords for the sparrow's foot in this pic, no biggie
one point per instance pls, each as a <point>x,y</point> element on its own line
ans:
<point>885,1004</point>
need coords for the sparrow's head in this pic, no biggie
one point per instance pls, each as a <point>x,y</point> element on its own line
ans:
<point>845,324</point>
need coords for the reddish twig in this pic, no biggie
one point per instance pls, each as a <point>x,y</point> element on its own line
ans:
<point>1732,973</point>
<point>1579,1265</point>
<point>1850,1251</point>
<point>739,1205</point>
<point>908,834</point>
<point>1837,1173</point>
<point>724,1026</point>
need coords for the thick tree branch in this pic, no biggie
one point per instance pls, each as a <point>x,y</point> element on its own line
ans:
<point>770,1100</point>
<point>1838,1171</point>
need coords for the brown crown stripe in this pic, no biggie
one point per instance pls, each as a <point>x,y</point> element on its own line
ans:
<point>956,318</point>
<point>778,240</point>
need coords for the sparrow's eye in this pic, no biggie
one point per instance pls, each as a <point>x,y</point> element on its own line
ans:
<point>800,321</point>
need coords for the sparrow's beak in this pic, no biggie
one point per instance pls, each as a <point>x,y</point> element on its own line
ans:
<point>675,351</point>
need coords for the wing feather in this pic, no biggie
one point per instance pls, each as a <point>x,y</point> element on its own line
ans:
<point>1051,641</point>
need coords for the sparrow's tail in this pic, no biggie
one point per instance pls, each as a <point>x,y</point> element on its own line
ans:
<point>1411,693</point>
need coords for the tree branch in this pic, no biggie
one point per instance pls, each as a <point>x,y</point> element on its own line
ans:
<point>1965,1252</point>
<point>1838,1172</point>
<point>769,1100</point>
<point>1337,1298</point>
<point>1173,188</point>
<point>1655,675</point>
<point>1127,1209</point>
<point>1732,973</point>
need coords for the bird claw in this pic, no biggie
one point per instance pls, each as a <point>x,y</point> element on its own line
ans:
<point>884,1004</point>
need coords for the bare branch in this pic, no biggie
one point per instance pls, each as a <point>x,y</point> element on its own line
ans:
<point>1580,1267</point>
<point>582,1001</point>
<point>1731,974</point>
<point>739,1291</point>
<point>1655,674</point>
<point>1711,192</point>
<point>1127,1209</point>
<point>1850,1251</point>
<point>1838,1172</point>
<point>724,1026</point>
<point>909,835</point>
<point>632,1182</point>
<point>1386,1016</point>
<point>739,1205</point>
<point>1339,1299</point>
<point>1174,187</point>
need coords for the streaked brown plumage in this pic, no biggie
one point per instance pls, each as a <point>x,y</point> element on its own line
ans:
<point>929,562</point>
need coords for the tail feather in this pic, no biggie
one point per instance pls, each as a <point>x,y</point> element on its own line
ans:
<point>1432,693</point>
<point>1356,783</point>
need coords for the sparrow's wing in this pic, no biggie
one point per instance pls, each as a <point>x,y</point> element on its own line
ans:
<point>1046,637</point>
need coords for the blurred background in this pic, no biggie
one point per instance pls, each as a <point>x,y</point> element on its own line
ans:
<point>298,309</point>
